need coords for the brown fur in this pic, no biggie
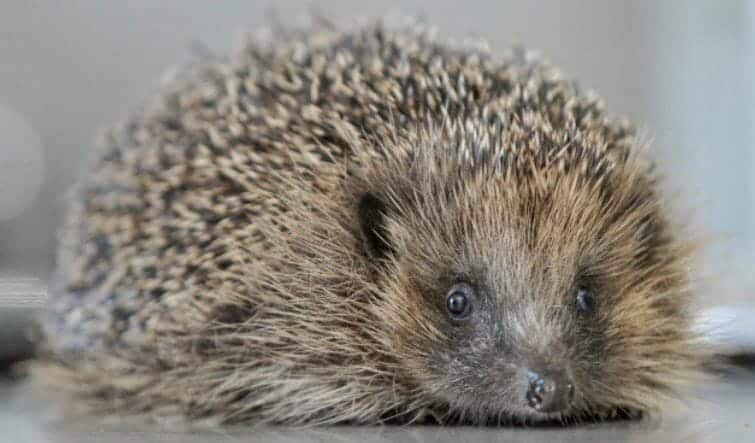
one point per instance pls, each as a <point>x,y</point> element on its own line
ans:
<point>214,265</point>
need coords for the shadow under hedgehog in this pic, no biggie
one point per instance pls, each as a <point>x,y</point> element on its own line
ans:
<point>364,224</point>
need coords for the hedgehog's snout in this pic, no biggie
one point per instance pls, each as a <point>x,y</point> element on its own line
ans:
<point>549,390</point>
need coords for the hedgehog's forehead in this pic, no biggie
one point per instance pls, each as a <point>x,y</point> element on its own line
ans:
<point>449,193</point>
<point>502,222</point>
<point>550,218</point>
<point>472,187</point>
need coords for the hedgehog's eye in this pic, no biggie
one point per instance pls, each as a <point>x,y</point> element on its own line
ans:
<point>585,300</point>
<point>459,301</point>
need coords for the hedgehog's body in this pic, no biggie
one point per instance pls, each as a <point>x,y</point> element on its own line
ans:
<point>364,225</point>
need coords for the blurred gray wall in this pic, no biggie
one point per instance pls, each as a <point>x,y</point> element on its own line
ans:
<point>682,70</point>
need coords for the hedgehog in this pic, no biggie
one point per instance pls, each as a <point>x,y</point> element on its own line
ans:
<point>367,224</point>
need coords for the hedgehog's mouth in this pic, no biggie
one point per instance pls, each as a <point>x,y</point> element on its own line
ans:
<point>514,410</point>
<point>490,416</point>
<point>492,410</point>
<point>524,416</point>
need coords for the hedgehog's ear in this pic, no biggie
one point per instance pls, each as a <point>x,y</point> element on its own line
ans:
<point>372,224</point>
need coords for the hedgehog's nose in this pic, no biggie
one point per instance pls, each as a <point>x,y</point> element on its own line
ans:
<point>549,391</point>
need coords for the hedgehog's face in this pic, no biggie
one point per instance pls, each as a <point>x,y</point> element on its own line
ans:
<point>510,300</point>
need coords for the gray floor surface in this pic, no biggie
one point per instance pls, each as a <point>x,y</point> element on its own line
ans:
<point>720,411</point>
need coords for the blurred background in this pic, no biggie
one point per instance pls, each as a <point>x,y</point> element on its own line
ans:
<point>684,71</point>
